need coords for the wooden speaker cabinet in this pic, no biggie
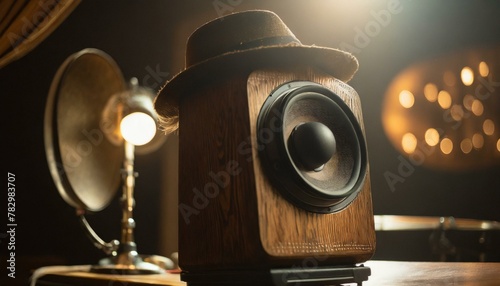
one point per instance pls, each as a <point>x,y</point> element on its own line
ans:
<point>261,190</point>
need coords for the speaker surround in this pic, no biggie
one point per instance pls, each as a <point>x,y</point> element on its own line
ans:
<point>313,148</point>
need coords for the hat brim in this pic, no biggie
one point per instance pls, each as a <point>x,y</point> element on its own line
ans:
<point>339,64</point>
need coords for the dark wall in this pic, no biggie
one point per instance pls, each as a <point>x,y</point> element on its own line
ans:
<point>148,38</point>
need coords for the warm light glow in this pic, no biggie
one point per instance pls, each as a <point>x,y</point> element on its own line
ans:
<point>432,137</point>
<point>449,78</point>
<point>446,146</point>
<point>467,76</point>
<point>468,100</point>
<point>488,127</point>
<point>406,99</point>
<point>431,92</point>
<point>484,70</point>
<point>444,112</point>
<point>138,128</point>
<point>409,143</point>
<point>477,141</point>
<point>444,99</point>
<point>466,145</point>
<point>457,113</point>
<point>477,107</point>
<point>498,145</point>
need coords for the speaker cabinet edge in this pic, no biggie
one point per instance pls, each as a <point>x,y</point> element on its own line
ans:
<point>345,236</point>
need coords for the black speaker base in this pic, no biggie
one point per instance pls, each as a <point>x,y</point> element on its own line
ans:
<point>277,277</point>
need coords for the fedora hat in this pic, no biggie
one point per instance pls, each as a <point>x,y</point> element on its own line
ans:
<point>244,41</point>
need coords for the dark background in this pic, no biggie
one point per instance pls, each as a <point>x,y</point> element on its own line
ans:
<point>146,35</point>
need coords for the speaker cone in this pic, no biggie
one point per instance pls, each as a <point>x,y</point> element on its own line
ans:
<point>312,146</point>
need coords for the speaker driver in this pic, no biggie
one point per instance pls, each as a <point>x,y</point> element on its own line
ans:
<point>312,146</point>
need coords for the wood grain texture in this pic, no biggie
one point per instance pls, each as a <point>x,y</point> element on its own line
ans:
<point>230,215</point>
<point>287,231</point>
<point>223,230</point>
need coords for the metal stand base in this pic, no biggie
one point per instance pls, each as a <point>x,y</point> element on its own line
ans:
<point>126,270</point>
<point>136,265</point>
<point>279,277</point>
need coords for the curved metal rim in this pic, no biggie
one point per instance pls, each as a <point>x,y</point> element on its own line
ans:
<point>51,132</point>
<point>397,222</point>
<point>325,203</point>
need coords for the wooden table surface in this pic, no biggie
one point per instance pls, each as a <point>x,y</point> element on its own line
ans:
<point>384,273</point>
<point>433,273</point>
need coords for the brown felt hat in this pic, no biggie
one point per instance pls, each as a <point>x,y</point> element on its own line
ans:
<point>245,41</point>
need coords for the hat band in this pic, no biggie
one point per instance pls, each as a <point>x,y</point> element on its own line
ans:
<point>264,42</point>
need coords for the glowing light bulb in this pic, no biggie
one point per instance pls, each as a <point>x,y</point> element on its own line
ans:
<point>444,99</point>
<point>432,137</point>
<point>446,146</point>
<point>477,107</point>
<point>409,143</point>
<point>431,92</point>
<point>488,127</point>
<point>477,141</point>
<point>467,76</point>
<point>406,99</point>
<point>138,128</point>
<point>484,70</point>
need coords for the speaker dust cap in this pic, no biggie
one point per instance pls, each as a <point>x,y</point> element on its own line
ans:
<point>312,146</point>
<point>85,165</point>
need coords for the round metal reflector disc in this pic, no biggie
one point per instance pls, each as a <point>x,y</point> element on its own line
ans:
<point>84,164</point>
